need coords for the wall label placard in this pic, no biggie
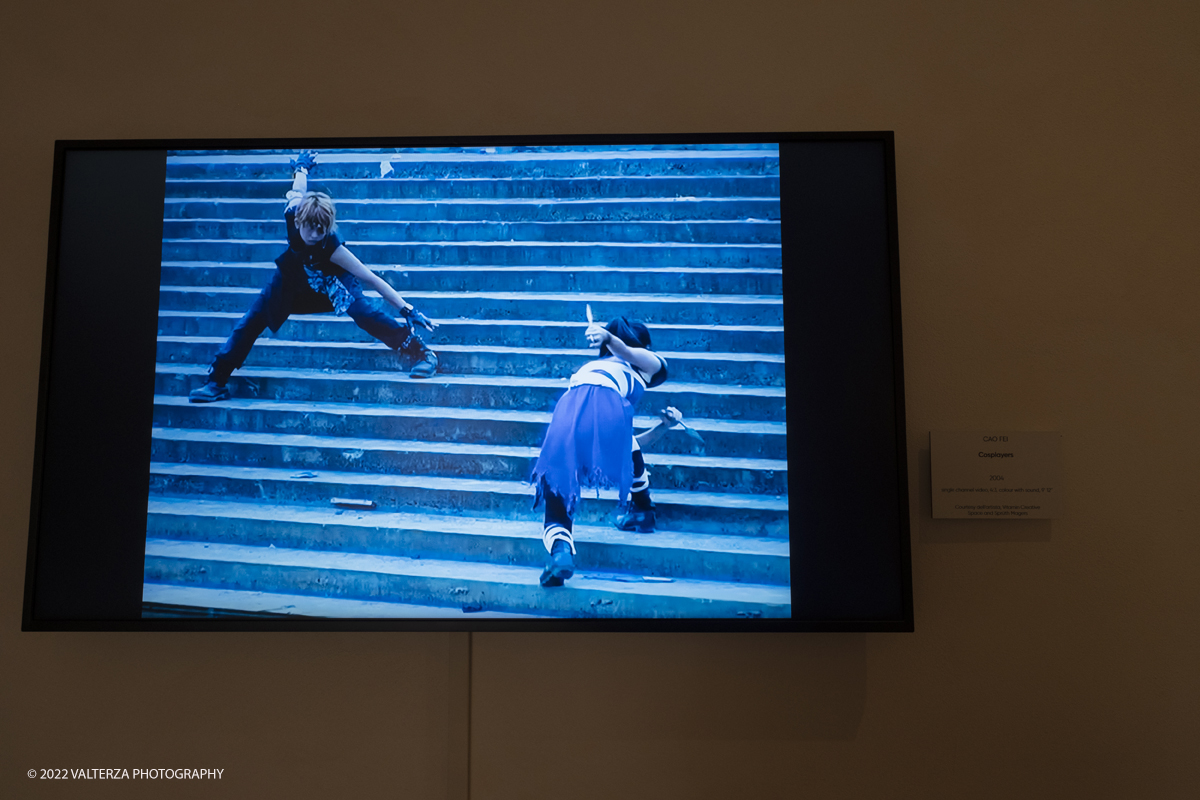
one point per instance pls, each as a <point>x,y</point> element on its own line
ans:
<point>996,474</point>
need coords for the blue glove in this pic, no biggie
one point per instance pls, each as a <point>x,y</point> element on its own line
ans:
<point>412,315</point>
<point>307,159</point>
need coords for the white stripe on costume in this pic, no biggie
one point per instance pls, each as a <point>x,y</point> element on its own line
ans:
<point>557,533</point>
<point>611,372</point>
<point>596,378</point>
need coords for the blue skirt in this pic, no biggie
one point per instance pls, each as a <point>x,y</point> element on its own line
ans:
<point>587,444</point>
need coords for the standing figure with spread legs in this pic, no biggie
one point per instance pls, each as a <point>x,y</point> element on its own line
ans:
<point>590,438</point>
<point>318,274</point>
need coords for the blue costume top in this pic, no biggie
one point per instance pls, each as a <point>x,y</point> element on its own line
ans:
<point>623,378</point>
<point>307,267</point>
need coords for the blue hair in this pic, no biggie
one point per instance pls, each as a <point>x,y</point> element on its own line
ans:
<point>632,332</point>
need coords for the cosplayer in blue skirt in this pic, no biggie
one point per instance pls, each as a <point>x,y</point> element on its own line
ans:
<point>590,440</point>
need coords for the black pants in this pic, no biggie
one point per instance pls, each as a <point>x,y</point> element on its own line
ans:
<point>272,303</point>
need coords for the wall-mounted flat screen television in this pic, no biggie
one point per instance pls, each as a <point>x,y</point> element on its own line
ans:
<point>507,383</point>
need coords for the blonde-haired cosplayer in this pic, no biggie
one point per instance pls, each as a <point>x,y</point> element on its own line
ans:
<point>317,209</point>
<point>315,274</point>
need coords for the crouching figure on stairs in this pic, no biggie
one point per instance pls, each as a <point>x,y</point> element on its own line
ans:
<point>590,441</point>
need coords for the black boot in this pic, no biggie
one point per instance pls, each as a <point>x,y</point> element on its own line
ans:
<point>561,567</point>
<point>426,360</point>
<point>636,519</point>
<point>209,393</point>
<point>426,367</point>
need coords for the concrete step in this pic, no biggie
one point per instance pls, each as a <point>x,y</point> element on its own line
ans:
<point>164,600</point>
<point>679,280</point>
<point>698,512</point>
<point>437,189</point>
<point>484,253</point>
<point>388,231</point>
<point>653,309</point>
<point>664,553</point>
<point>411,456</point>
<point>451,584</point>
<point>723,438</point>
<point>510,333</point>
<point>694,400</point>
<point>365,153</point>
<point>563,164</point>
<point>517,209</point>
<point>741,369</point>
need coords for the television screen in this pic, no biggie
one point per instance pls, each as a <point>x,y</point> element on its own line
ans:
<point>522,383</point>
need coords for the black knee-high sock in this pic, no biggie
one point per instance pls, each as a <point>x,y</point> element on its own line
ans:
<point>641,483</point>
<point>557,521</point>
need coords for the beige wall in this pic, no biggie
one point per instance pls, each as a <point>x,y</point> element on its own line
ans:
<point>1049,196</point>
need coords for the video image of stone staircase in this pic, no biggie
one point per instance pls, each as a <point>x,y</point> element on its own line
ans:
<point>505,248</point>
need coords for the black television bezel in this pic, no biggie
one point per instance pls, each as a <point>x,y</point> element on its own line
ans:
<point>903,623</point>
